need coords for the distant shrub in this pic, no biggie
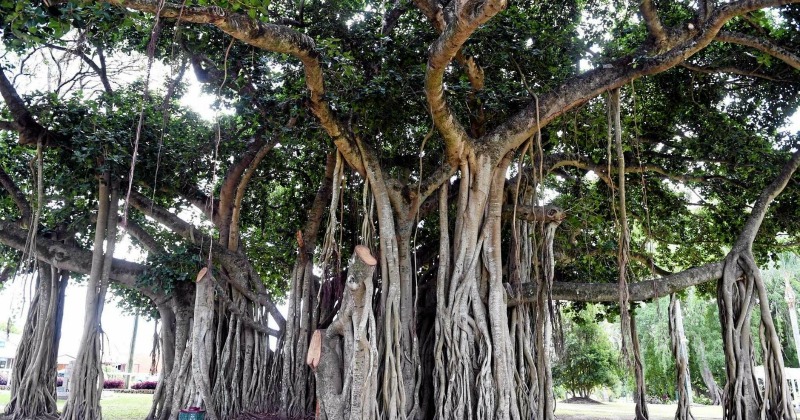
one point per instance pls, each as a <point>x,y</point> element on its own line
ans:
<point>113,384</point>
<point>145,385</point>
<point>3,380</point>
<point>59,381</point>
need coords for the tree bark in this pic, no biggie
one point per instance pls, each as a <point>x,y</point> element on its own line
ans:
<point>203,342</point>
<point>681,355</point>
<point>297,390</point>
<point>86,385</point>
<point>347,375</point>
<point>737,291</point>
<point>33,380</point>
<point>129,367</point>
<point>714,391</point>
<point>640,394</point>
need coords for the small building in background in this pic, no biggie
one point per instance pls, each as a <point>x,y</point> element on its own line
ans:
<point>63,360</point>
<point>8,350</point>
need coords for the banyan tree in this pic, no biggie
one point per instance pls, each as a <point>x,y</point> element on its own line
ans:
<point>419,184</point>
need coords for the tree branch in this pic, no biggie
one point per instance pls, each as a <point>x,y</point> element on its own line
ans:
<point>232,261</point>
<point>244,317</point>
<point>227,192</point>
<point>174,223</point>
<point>200,201</point>
<point>759,211</point>
<point>147,240</point>
<point>30,131</point>
<point>269,37</point>
<point>602,171</point>
<point>18,196</point>
<point>464,22</point>
<point>535,213</point>
<point>73,259</point>
<point>729,69</point>
<point>653,22</point>
<point>609,292</point>
<point>579,89</point>
<point>244,180</point>
<point>763,45</point>
<point>644,290</point>
<point>101,71</point>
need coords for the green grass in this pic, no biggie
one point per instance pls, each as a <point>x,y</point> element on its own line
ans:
<point>625,411</point>
<point>115,406</point>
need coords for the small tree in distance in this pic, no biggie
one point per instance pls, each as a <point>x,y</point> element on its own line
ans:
<point>589,360</point>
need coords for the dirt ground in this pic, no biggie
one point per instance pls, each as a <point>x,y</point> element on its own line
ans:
<point>625,411</point>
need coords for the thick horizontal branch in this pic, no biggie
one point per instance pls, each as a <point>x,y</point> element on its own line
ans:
<point>558,161</point>
<point>762,45</point>
<point>174,223</point>
<point>609,292</point>
<point>729,70</point>
<point>535,213</point>
<point>73,259</point>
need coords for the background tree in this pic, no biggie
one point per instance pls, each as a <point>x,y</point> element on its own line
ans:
<point>589,360</point>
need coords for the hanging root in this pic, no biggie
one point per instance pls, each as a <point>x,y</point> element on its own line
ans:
<point>32,381</point>
<point>681,355</point>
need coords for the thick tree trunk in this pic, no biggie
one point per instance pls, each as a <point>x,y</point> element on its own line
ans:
<point>737,291</point>
<point>179,387</point>
<point>476,346</point>
<point>167,344</point>
<point>742,398</point>
<point>681,355</point>
<point>176,317</point>
<point>203,342</point>
<point>347,374</point>
<point>33,381</point>
<point>399,354</point>
<point>86,384</point>
<point>297,382</point>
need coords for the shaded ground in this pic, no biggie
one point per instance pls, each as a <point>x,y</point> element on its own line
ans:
<point>625,411</point>
<point>580,400</point>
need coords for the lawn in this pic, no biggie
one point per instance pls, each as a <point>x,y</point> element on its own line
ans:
<point>115,406</point>
<point>624,411</point>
